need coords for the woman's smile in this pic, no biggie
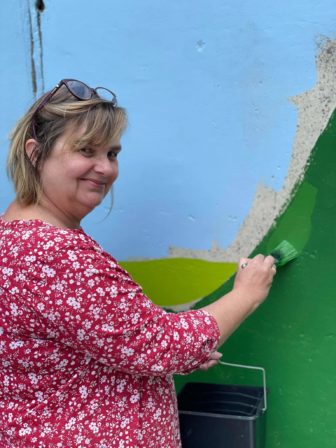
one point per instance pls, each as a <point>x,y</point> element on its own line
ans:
<point>75,182</point>
<point>94,183</point>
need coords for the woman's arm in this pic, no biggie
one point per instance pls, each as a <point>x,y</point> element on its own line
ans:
<point>251,287</point>
<point>94,307</point>
<point>89,304</point>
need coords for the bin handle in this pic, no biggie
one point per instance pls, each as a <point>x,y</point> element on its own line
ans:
<point>253,368</point>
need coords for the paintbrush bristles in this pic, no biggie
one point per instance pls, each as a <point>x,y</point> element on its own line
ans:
<point>284,253</point>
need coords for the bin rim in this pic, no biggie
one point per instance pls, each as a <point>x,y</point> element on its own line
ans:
<point>220,416</point>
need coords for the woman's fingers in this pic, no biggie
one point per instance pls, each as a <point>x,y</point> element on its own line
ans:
<point>243,263</point>
<point>259,259</point>
<point>269,261</point>
<point>255,276</point>
<point>212,361</point>
<point>215,356</point>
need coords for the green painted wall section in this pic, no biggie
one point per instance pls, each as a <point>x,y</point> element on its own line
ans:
<point>293,334</point>
<point>295,224</point>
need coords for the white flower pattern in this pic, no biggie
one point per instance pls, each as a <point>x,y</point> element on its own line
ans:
<point>87,359</point>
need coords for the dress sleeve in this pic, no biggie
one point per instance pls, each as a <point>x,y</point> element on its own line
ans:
<point>95,307</point>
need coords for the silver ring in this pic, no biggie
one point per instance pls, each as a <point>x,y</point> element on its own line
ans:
<point>243,266</point>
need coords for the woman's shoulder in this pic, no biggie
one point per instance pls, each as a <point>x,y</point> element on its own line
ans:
<point>35,234</point>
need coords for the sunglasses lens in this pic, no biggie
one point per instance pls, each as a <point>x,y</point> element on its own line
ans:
<point>79,89</point>
<point>106,94</point>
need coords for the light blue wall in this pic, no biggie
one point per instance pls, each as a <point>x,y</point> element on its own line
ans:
<point>14,80</point>
<point>206,86</point>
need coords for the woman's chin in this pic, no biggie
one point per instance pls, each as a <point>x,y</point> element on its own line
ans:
<point>89,206</point>
<point>92,205</point>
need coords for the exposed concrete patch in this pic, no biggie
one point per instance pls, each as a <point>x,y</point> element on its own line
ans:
<point>314,110</point>
<point>183,306</point>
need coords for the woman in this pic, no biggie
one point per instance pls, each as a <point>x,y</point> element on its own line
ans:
<point>87,358</point>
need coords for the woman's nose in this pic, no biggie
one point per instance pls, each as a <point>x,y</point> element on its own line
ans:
<point>106,166</point>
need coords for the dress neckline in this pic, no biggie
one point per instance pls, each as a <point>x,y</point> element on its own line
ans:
<point>36,221</point>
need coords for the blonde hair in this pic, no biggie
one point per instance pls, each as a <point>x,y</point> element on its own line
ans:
<point>101,121</point>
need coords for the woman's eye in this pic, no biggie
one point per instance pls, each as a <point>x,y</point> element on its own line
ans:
<point>86,151</point>
<point>112,155</point>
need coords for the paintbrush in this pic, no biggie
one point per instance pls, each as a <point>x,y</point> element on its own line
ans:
<point>283,253</point>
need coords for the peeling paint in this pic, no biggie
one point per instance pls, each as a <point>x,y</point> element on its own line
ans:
<point>32,51</point>
<point>34,10</point>
<point>314,110</point>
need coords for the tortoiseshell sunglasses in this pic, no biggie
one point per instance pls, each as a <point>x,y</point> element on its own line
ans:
<point>79,90</point>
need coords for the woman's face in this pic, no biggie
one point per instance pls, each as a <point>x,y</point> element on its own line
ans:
<point>75,182</point>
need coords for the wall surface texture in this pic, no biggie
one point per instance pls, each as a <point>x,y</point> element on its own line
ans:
<point>230,150</point>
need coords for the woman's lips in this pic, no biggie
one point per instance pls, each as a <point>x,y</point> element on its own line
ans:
<point>95,183</point>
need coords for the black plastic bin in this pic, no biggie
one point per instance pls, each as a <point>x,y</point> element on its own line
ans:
<point>222,416</point>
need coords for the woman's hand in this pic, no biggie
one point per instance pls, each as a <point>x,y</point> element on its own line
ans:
<point>212,361</point>
<point>254,277</point>
<point>251,287</point>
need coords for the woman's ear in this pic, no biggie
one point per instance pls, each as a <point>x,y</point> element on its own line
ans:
<point>31,148</point>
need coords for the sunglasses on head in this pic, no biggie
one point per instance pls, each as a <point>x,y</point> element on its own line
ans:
<point>79,90</point>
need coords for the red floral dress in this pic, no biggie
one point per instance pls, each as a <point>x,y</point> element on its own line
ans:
<point>86,358</point>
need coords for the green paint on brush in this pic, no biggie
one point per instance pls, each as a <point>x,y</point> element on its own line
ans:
<point>175,281</point>
<point>284,253</point>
